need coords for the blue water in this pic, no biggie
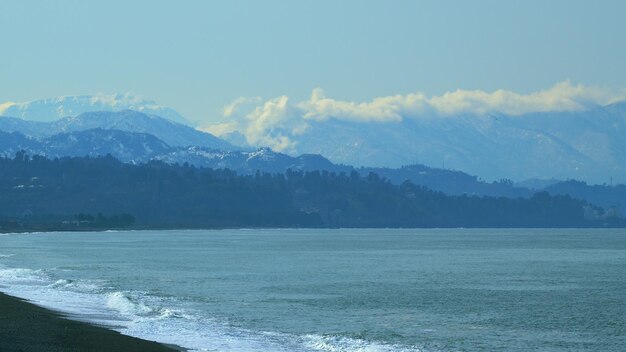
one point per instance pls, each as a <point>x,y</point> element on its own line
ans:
<point>334,290</point>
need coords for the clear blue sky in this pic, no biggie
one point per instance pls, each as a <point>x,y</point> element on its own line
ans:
<point>197,56</point>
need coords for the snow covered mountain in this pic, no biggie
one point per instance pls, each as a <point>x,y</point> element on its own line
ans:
<point>172,133</point>
<point>133,147</point>
<point>587,144</point>
<point>125,146</point>
<point>248,162</point>
<point>13,142</point>
<point>57,108</point>
<point>583,143</point>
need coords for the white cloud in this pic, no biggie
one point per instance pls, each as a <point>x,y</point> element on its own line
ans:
<point>220,129</point>
<point>230,109</point>
<point>272,123</point>
<point>385,109</point>
<point>277,122</point>
<point>561,97</point>
<point>5,106</point>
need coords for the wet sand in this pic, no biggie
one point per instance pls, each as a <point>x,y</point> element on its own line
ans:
<point>25,327</point>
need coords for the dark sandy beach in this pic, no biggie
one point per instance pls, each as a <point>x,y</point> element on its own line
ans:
<point>26,327</point>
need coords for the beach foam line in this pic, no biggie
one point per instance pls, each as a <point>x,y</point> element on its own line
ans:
<point>21,233</point>
<point>166,320</point>
<point>21,276</point>
<point>335,343</point>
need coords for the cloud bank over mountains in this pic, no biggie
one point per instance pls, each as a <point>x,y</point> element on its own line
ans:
<point>279,122</point>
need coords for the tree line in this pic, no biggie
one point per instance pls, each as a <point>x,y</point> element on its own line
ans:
<point>34,190</point>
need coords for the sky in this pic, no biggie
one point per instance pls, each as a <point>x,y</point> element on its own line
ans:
<point>199,57</point>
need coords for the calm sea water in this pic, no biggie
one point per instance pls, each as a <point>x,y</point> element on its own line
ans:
<point>334,290</point>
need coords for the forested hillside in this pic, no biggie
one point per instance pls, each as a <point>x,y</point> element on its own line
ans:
<point>157,195</point>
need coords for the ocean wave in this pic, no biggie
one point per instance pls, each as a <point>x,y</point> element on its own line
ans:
<point>164,319</point>
<point>20,233</point>
<point>335,343</point>
<point>74,285</point>
<point>122,303</point>
<point>12,276</point>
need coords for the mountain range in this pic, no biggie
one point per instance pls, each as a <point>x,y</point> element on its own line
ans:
<point>172,133</point>
<point>586,144</point>
<point>137,148</point>
<point>571,145</point>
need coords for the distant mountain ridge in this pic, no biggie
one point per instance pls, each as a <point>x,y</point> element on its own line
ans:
<point>137,148</point>
<point>587,145</point>
<point>57,108</point>
<point>172,133</point>
<point>584,144</point>
<point>126,146</point>
<point>134,147</point>
<point>248,162</point>
<point>136,137</point>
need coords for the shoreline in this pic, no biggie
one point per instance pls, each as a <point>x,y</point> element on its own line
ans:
<point>25,326</point>
<point>157,228</point>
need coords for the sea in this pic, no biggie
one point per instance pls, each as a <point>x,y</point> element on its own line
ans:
<point>334,290</point>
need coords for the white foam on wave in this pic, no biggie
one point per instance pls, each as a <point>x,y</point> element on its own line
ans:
<point>39,287</point>
<point>164,319</point>
<point>123,304</point>
<point>73,285</point>
<point>6,255</point>
<point>346,344</point>
<point>19,233</point>
<point>19,276</point>
<point>133,304</point>
<point>132,313</point>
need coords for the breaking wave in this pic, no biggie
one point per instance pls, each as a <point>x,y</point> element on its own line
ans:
<point>162,319</point>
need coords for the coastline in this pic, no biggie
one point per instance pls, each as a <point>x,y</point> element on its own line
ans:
<point>621,224</point>
<point>27,327</point>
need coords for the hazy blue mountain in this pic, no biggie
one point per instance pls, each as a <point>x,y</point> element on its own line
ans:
<point>451,182</point>
<point>135,148</point>
<point>248,162</point>
<point>139,147</point>
<point>586,145</point>
<point>56,108</point>
<point>610,197</point>
<point>125,146</point>
<point>536,183</point>
<point>172,133</point>
<point>13,142</point>
<point>33,129</point>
